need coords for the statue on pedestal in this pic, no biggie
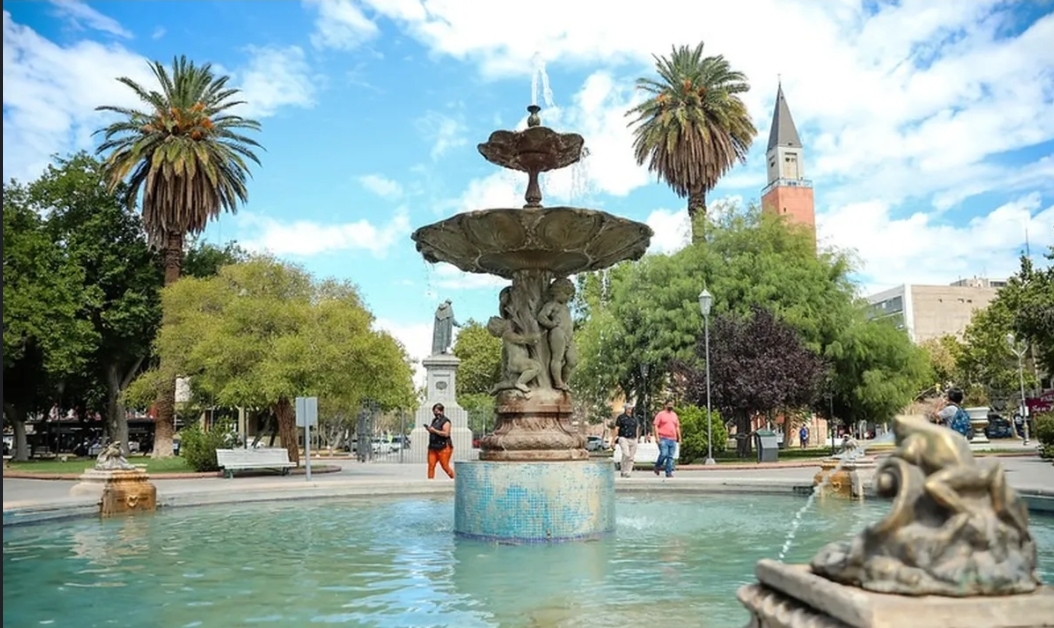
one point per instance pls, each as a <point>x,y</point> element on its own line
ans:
<point>443,329</point>
<point>111,459</point>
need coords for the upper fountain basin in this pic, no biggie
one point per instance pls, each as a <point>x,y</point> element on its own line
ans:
<point>535,149</point>
<point>563,240</point>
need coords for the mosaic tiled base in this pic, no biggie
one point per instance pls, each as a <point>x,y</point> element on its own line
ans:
<point>534,502</point>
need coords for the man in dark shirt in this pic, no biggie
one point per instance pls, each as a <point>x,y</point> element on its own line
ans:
<point>626,433</point>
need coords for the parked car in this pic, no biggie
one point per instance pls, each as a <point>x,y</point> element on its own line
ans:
<point>999,427</point>
<point>381,446</point>
<point>595,443</point>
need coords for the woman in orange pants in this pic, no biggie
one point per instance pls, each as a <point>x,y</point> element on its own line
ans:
<point>439,444</point>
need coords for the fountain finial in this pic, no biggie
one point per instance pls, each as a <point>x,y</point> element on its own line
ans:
<point>533,119</point>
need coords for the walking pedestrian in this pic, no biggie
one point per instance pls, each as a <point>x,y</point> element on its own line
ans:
<point>668,432</point>
<point>440,447</point>
<point>625,434</point>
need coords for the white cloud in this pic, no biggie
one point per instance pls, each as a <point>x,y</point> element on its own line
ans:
<point>51,91</point>
<point>340,24</point>
<point>381,186</point>
<point>274,78</point>
<point>906,110</point>
<point>450,277</point>
<point>918,249</point>
<point>307,238</point>
<point>158,33</point>
<point>82,16</point>
<point>672,230</point>
<point>915,88</point>
<point>416,338</point>
<point>445,132</point>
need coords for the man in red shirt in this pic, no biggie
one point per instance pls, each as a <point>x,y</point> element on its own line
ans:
<point>668,433</point>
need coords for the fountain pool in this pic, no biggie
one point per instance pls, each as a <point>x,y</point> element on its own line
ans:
<point>394,562</point>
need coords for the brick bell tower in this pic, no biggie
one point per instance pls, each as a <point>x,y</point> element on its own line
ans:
<point>788,192</point>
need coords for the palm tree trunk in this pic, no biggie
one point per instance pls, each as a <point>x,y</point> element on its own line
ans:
<point>697,214</point>
<point>164,422</point>
<point>287,428</point>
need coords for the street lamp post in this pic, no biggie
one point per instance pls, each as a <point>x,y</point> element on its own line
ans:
<point>706,300</point>
<point>643,401</point>
<point>1020,353</point>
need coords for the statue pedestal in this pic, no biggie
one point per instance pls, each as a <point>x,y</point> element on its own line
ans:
<point>119,490</point>
<point>440,386</point>
<point>534,427</point>
<point>534,502</point>
<point>791,596</point>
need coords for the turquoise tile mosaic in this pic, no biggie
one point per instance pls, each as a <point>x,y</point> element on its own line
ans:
<point>534,502</point>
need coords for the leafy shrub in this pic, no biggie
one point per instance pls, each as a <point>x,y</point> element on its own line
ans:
<point>198,447</point>
<point>1044,425</point>
<point>1046,452</point>
<point>693,433</point>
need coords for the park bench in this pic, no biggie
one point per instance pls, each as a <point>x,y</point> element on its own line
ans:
<point>232,460</point>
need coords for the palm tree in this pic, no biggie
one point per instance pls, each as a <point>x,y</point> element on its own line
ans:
<point>693,127</point>
<point>185,155</point>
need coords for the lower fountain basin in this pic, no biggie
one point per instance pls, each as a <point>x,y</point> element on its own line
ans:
<point>534,502</point>
<point>674,558</point>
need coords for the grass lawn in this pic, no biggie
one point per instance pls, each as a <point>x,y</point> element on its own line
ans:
<point>175,464</point>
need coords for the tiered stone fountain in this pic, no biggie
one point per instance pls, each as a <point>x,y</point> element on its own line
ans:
<point>534,480</point>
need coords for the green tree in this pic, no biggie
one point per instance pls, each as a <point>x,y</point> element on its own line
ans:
<point>480,355</point>
<point>648,313</point>
<point>875,370</point>
<point>185,155</point>
<point>694,126</point>
<point>986,361</point>
<point>203,259</point>
<point>1029,298</point>
<point>943,355</point>
<point>121,275</point>
<point>261,333</point>
<point>45,340</point>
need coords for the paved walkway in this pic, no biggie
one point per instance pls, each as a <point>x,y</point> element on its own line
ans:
<point>28,500</point>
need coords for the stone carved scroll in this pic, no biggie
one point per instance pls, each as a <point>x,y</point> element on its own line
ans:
<point>955,528</point>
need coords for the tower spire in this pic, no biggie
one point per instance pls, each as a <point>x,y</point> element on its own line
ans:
<point>783,132</point>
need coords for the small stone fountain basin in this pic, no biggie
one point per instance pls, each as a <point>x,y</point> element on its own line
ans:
<point>844,478</point>
<point>560,240</point>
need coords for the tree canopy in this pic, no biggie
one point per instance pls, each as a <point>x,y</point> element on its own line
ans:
<point>647,312</point>
<point>263,332</point>
<point>480,355</point>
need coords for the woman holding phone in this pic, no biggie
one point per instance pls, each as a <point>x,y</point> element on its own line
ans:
<point>439,444</point>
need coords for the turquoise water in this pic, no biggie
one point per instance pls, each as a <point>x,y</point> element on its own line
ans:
<point>390,563</point>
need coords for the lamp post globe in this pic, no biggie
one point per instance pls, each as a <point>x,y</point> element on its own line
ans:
<point>706,300</point>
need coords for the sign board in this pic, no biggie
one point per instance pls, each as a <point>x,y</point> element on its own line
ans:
<point>307,411</point>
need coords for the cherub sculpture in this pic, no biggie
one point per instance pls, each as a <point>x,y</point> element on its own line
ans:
<point>520,368</point>
<point>955,527</point>
<point>111,458</point>
<point>555,316</point>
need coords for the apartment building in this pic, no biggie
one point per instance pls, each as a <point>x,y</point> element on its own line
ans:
<point>926,312</point>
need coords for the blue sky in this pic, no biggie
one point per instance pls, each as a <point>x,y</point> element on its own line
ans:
<point>928,127</point>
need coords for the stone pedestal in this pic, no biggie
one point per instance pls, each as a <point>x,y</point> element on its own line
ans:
<point>533,427</point>
<point>791,596</point>
<point>979,421</point>
<point>440,386</point>
<point>119,490</point>
<point>534,502</point>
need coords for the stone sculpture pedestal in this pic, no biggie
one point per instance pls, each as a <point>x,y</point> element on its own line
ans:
<point>440,386</point>
<point>791,596</point>
<point>534,481</point>
<point>979,421</point>
<point>120,491</point>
